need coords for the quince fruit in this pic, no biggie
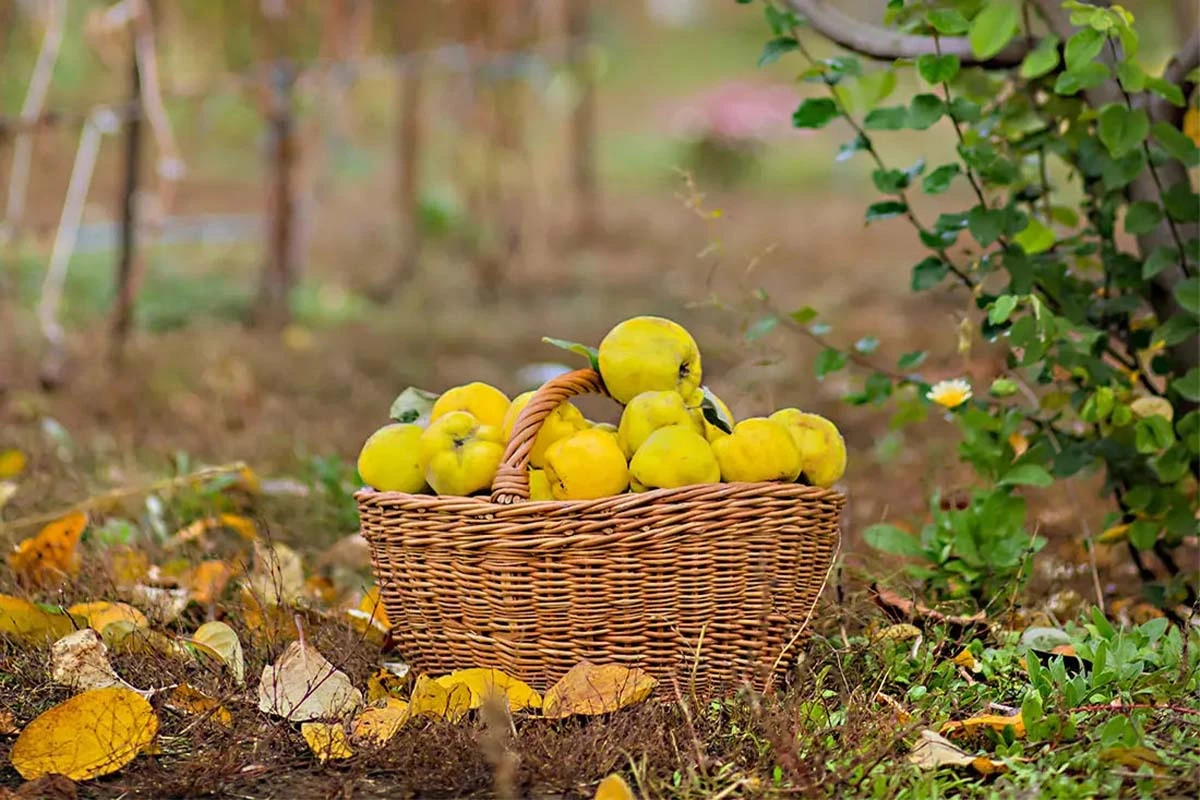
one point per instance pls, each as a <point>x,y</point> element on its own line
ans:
<point>484,402</point>
<point>650,411</point>
<point>822,448</point>
<point>586,465</point>
<point>539,485</point>
<point>390,460</point>
<point>561,423</point>
<point>459,455</point>
<point>649,354</point>
<point>757,450</point>
<point>671,457</point>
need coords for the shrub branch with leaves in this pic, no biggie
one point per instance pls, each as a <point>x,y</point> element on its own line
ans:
<point>1079,251</point>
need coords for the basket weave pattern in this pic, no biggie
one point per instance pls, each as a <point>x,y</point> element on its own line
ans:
<point>707,587</point>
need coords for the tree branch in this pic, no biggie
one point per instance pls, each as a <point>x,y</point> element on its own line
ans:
<point>883,44</point>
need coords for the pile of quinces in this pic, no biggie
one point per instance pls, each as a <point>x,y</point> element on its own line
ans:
<point>673,432</point>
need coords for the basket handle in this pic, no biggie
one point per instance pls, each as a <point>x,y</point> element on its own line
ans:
<point>511,483</point>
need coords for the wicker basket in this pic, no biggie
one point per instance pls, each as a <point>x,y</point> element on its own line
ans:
<point>706,587</point>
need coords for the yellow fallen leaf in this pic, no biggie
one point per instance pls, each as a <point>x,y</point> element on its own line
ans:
<point>321,589</point>
<point>994,721</point>
<point>29,624</point>
<point>91,734</point>
<point>614,787</point>
<point>483,681</point>
<point>101,614</point>
<point>1116,533</point>
<point>223,640</point>
<point>967,660</point>
<point>375,726</point>
<point>52,554</point>
<point>370,615</point>
<point>270,622</point>
<point>128,567</point>
<point>589,689</point>
<point>208,580</point>
<point>12,463</point>
<point>242,526</point>
<point>8,724</point>
<point>934,751</point>
<point>326,740</point>
<point>1134,757</point>
<point>384,684</point>
<point>430,699</point>
<point>900,632</point>
<point>189,700</point>
<point>128,638</point>
<point>302,685</point>
<point>278,575</point>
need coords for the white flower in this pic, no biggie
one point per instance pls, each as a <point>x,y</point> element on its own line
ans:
<point>950,394</point>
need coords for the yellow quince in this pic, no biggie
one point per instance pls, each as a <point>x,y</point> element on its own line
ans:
<point>484,402</point>
<point>561,423</point>
<point>586,465</point>
<point>539,485</point>
<point>459,455</point>
<point>390,459</point>
<point>650,411</point>
<point>822,448</point>
<point>671,457</point>
<point>757,450</point>
<point>648,354</point>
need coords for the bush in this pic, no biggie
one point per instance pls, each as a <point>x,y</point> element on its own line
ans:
<point>1079,249</point>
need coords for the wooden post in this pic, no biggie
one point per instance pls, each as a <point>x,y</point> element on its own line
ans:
<point>123,312</point>
<point>583,121</point>
<point>279,270</point>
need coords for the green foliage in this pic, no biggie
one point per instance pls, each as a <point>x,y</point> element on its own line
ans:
<point>1095,324</point>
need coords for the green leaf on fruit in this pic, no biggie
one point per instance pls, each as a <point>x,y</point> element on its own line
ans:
<point>412,405</point>
<point>713,413</point>
<point>591,353</point>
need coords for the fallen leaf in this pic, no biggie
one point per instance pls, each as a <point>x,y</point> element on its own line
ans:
<point>12,463</point>
<point>271,623</point>
<point>966,659</point>
<point>52,554</point>
<point>278,575</point>
<point>430,699</point>
<point>375,726</point>
<point>1116,533</point>
<point>128,638</point>
<point>79,660</point>
<point>91,734</point>
<point>223,641</point>
<point>128,567</point>
<point>8,490</point>
<point>589,688</point>
<point>327,740</point>
<point>47,787</point>
<point>994,721</point>
<point>902,716</point>
<point>8,724</point>
<point>321,589</point>
<point>934,751</point>
<point>191,701</point>
<point>101,614</point>
<point>484,681</point>
<point>208,581</point>
<point>904,610</point>
<point>900,632</point>
<point>31,625</point>
<point>370,614</point>
<point>163,605</point>
<point>383,684</point>
<point>1134,757</point>
<point>302,685</point>
<point>242,526</point>
<point>614,787</point>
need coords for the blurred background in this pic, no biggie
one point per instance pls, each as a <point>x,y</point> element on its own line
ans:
<point>237,229</point>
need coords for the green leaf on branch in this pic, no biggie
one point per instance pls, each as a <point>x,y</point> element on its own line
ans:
<point>911,360</point>
<point>1143,534</point>
<point>1083,47</point>
<point>888,118</point>
<point>858,144</point>
<point>1166,90</point>
<point>1131,76</point>
<point>1188,387</point>
<point>1182,204</point>
<point>829,361</point>
<point>590,353</point>
<point>939,180</point>
<point>1035,238</point>
<point>1086,77</point>
<point>1177,143</point>
<point>947,21</point>
<point>885,209</point>
<point>1153,434</point>
<point>1187,292</point>
<point>986,224</point>
<point>1002,308</point>
<point>929,273</point>
<point>776,48</point>
<point>803,316</point>
<point>815,112</point>
<point>890,539</point>
<point>1042,59</point>
<point>937,69</point>
<point>1027,475</point>
<point>1142,217</point>
<point>889,181</point>
<point>993,27</point>
<point>1160,258</point>
<point>924,111</point>
<point>1121,129</point>
<point>761,328</point>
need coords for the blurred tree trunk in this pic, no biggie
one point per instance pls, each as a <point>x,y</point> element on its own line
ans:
<point>281,267</point>
<point>123,311</point>
<point>583,121</point>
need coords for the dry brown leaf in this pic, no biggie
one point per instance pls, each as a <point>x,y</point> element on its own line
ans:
<point>278,575</point>
<point>31,625</point>
<point>375,726</point>
<point>47,787</point>
<point>187,699</point>
<point>12,463</point>
<point>208,581</point>
<point>614,787</point>
<point>431,699</point>
<point>79,660</point>
<point>934,751</point>
<point>269,623</point>
<point>302,685</point>
<point>994,721</point>
<point>91,734</point>
<point>8,490</point>
<point>243,526</point>
<point>101,614</point>
<point>52,554</point>
<point>903,610</point>
<point>223,641</point>
<point>162,605</point>
<point>484,681</point>
<point>8,724</point>
<point>590,689</point>
<point>326,740</point>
